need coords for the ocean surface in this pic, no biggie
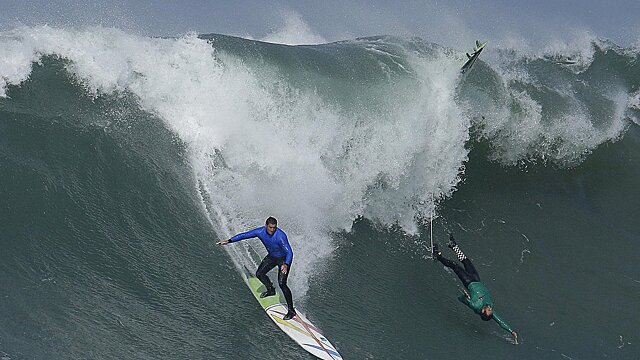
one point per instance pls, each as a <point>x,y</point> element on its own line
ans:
<point>123,159</point>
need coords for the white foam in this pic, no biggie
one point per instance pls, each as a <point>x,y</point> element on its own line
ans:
<point>15,62</point>
<point>519,126</point>
<point>260,147</point>
<point>524,135</point>
<point>634,103</point>
<point>294,31</point>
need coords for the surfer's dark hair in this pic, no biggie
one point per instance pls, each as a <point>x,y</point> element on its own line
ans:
<point>271,220</point>
<point>486,317</point>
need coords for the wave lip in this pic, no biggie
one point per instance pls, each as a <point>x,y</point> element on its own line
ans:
<point>321,135</point>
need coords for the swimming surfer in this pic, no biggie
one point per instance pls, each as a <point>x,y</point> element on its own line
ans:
<point>477,297</point>
<point>279,254</point>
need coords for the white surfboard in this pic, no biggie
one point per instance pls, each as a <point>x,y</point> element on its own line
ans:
<point>471,58</point>
<point>301,330</point>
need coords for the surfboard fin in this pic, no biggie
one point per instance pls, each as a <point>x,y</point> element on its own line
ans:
<point>478,44</point>
<point>468,56</point>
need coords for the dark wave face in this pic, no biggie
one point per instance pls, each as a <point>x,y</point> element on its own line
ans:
<point>98,221</point>
<point>124,158</point>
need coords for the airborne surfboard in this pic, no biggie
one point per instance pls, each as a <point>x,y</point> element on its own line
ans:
<point>301,330</point>
<point>471,58</point>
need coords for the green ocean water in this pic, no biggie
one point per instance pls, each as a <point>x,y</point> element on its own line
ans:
<point>117,177</point>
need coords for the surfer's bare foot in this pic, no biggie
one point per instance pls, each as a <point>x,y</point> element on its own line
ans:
<point>452,242</point>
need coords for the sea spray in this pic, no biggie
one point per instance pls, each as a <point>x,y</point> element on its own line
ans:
<point>319,136</point>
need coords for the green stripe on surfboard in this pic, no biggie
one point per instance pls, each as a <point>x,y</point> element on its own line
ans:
<point>258,288</point>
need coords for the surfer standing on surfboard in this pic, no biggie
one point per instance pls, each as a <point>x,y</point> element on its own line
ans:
<point>279,254</point>
<point>477,297</point>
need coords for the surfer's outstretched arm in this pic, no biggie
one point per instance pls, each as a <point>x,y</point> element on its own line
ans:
<point>241,236</point>
<point>503,324</point>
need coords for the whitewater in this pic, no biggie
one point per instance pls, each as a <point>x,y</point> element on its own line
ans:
<point>356,147</point>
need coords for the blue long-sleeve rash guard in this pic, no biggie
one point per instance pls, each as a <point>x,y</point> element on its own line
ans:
<point>277,244</point>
